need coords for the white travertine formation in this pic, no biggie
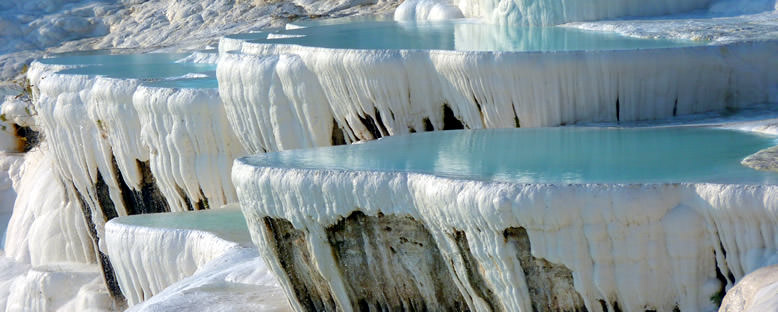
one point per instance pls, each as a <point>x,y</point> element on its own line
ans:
<point>426,10</point>
<point>164,264</point>
<point>9,170</point>
<point>45,229</point>
<point>755,292</point>
<point>640,246</point>
<point>541,12</point>
<point>284,96</point>
<point>103,116</point>
<point>102,159</point>
<point>60,287</point>
<point>725,21</point>
<point>190,144</point>
<point>235,281</point>
<point>10,270</point>
<point>277,97</point>
<point>147,259</point>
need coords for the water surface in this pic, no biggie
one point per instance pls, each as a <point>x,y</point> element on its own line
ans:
<point>463,35</point>
<point>227,223</point>
<point>155,69</point>
<point>550,155</point>
<point>104,58</point>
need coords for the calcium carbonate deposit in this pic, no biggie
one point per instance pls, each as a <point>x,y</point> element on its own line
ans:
<point>642,178</point>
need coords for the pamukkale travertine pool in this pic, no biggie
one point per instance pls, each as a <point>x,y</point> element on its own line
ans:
<point>461,35</point>
<point>487,219</point>
<point>551,155</point>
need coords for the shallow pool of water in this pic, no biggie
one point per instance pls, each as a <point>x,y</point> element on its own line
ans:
<point>103,58</point>
<point>187,83</point>
<point>551,155</point>
<point>149,71</point>
<point>464,35</point>
<point>156,69</point>
<point>227,223</point>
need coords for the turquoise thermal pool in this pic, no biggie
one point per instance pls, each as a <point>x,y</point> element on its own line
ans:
<point>209,82</point>
<point>156,69</point>
<point>146,71</point>
<point>103,58</point>
<point>464,35</point>
<point>227,223</point>
<point>550,155</point>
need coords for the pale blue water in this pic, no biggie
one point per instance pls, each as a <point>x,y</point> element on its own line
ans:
<point>155,69</point>
<point>464,35</point>
<point>342,20</point>
<point>226,223</point>
<point>101,58</point>
<point>193,83</point>
<point>550,155</point>
<point>149,71</point>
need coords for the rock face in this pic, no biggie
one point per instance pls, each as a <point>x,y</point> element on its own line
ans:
<point>391,262</point>
<point>550,285</point>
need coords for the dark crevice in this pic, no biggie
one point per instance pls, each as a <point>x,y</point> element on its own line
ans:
<point>616,307</point>
<point>480,110</point>
<point>371,126</point>
<point>104,198</point>
<point>290,247</point>
<point>105,263</point>
<point>350,131</point>
<point>338,138</point>
<point>380,122</point>
<point>202,204</point>
<point>450,121</point>
<point>718,297</point>
<point>28,138</point>
<point>618,110</point>
<point>428,125</point>
<point>186,199</point>
<point>516,121</point>
<point>675,107</point>
<point>474,273</point>
<point>730,276</point>
<point>149,199</point>
<point>603,305</point>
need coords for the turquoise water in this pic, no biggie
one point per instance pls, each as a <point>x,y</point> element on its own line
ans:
<point>227,223</point>
<point>155,69</point>
<point>193,83</point>
<point>464,35</point>
<point>147,71</point>
<point>100,58</point>
<point>550,155</point>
